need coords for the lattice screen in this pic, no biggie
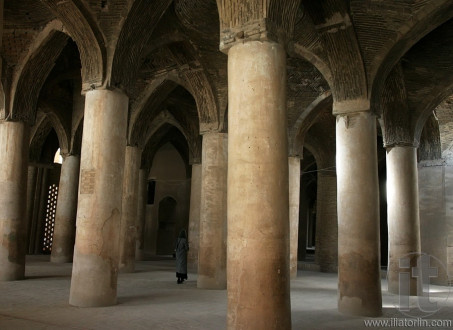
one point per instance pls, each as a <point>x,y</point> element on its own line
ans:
<point>50,218</point>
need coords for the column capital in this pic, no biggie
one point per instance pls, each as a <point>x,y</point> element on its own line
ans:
<point>69,154</point>
<point>195,161</point>
<point>212,132</point>
<point>260,30</point>
<point>431,163</point>
<point>93,88</point>
<point>13,119</point>
<point>350,107</point>
<point>401,144</point>
<point>256,20</point>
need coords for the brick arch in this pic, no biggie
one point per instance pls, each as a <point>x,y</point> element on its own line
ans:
<point>76,139</point>
<point>33,72</point>
<point>429,136</point>
<point>81,26</point>
<point>307,118</point>
<point>134,36</point>
<point>149,106</point>
<point>276,17</point>
<point>191,74</point>
<point>62,132</point>
<point>409,34</point>
<point>164,121</point>
<point>163,134</point>
<point>46,122</point>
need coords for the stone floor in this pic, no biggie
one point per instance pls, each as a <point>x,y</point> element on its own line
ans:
<point>151,299</point>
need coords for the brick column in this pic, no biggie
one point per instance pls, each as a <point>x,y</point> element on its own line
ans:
<point>95,268</point>
<point>359,282</point>
<point>194,218</point>
<point>212,250</point>
<point>402,214</point>
<point>129,209</point>
<point>14,140</point>
<point>66,213</point>
<point>294,200</point>
<point>258,206</point>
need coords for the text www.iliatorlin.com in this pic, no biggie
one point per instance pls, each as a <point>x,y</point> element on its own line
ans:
<point>408,323</point>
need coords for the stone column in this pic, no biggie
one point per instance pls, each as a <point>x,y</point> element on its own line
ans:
<point>65,216</point>
<point>41,209</point>
<point>34,212</point>
<point>31,190</point>
<point>194,218</point>
<point>212,249</point>
<point>294,200</point>
<point>141,214</point>
<point>258,202</point>
<point>129,209</point>
<point>359,284</point>
<point>95,268</point>
<point>403,214</point>
<point>326,222</point>
<point>14,140</point>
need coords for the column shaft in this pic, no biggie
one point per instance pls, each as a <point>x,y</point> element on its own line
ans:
<point>129,209</point>
<point>95,268</point>
<point>403,213</point>
<point>141,214</point>
<point>326,223</point>
<point>66,213</point>
<point>212,250</point>
<point>294,200</point>
<point>41,208</point>
<point>194,218</point>
<point>359,285</point>
<point>31,190</point>
<point>258,205</point>
<point>14,140</point>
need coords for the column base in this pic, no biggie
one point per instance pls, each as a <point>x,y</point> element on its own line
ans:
<point>208,283</point>
<point>61,259</point>
<point>130,268</point>
<point>355,306</point>
<point>93,282</point>
<point>11,273</point>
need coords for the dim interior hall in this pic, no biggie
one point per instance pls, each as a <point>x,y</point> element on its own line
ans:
<point>295,141</point>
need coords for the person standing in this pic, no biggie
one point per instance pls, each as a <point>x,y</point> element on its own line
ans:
<point>181,248</point>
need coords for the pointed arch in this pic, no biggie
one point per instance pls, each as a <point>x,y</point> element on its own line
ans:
<point>146,109</point>
<point>135,34</point>
<point>276,19</point>
<point>81,26</point>
<point>163,134</point>
<point>306,120</point>
<point>28,81</point>
<point>426,20</point>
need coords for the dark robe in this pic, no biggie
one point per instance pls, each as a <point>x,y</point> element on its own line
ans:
<point>181,249</point>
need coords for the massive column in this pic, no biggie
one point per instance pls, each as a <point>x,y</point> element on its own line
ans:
<point>65,217</point>
<point>359,285</point>
<point>141,214</point>
<point>326,222</point>
<point>213,208</point>
<point>194,218</point>
<point>294,200</point>
<point>403,215</point>
<point>95,268</point>
<point>14,140</point>
<point>129,209</point>
<point>32,178</point>
<point>258,206</point>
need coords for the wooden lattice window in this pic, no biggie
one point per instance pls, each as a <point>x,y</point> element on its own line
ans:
<point>50,218</point>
